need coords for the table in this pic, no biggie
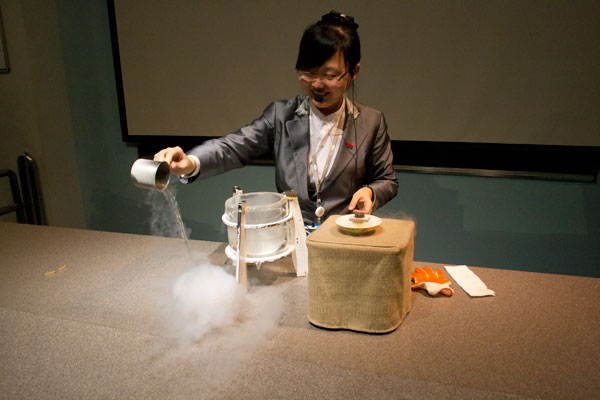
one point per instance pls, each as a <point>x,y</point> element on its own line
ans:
<point>97,329</point>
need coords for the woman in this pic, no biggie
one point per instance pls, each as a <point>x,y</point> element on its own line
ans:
<point>334,152</point>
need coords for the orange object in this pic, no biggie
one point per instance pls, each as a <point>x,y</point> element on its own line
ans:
<point>433,281</point>
<point>427,275</point>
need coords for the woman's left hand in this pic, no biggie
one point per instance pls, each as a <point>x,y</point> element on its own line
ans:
<point>362,201</point>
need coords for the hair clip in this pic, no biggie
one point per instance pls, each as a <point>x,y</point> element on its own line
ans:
<point>339,18</point>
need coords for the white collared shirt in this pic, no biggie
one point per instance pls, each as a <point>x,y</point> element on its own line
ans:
<point>325,131</point>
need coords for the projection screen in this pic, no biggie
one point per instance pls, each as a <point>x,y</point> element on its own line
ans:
<point>495,71</point>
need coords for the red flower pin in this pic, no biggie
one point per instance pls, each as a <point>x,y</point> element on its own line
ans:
<point>349,145</point>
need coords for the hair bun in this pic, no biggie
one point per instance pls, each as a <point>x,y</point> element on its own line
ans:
<point>336,18</point>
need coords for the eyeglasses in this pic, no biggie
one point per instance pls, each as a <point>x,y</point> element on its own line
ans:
<point>327,78</point>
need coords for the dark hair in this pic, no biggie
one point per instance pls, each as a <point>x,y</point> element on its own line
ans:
<point>321,40</point>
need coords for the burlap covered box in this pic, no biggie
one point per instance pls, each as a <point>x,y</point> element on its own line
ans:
<point>360,282</point>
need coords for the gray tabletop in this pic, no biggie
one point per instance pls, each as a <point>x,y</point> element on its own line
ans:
<point>87,314</point>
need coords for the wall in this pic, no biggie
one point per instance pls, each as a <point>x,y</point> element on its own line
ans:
<point>111,202</point>
<point>531,225</point>
<point>542,226</point>
<point>34,109</point>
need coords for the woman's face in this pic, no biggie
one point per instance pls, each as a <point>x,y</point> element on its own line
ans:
<point>326,85</point>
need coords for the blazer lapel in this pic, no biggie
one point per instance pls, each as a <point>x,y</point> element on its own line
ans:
<point>299,134</point>
<point>348,147</point>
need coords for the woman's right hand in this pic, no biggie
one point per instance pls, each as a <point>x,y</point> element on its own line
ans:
<point>179,162</point>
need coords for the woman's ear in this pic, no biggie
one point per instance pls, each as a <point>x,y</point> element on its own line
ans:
<point>356,69</point>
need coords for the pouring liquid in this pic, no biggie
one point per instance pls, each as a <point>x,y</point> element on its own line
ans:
<point>172,201</point>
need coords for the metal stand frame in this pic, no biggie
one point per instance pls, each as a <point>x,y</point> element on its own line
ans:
<point>241,276</point>
<point>296,241</point>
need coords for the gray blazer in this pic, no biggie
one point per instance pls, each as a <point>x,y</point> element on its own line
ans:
<point>282,132</point>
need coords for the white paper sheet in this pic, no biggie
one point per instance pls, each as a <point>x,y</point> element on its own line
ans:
<point>470,282</point>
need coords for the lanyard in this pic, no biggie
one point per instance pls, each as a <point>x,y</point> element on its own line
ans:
<point>313,153</point>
